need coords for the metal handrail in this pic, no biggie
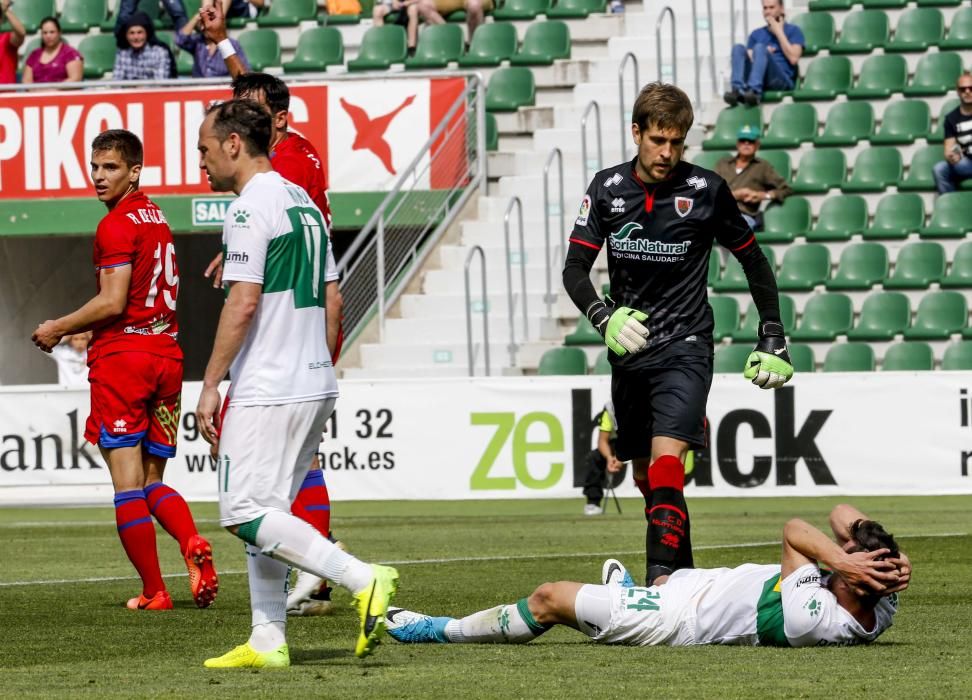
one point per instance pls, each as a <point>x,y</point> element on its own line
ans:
<point>597,129</point>
<point>625,133</point>
<point>549,297</point>
<point>695,49</point>
<point>469,337</point>
<point>515,202</point>
<point>667,10</point>
<point>732,21</point>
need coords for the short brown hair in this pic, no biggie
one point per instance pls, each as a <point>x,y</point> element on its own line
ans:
<point>127,144</point>
<point>246,118</point>
<point>663,106</point>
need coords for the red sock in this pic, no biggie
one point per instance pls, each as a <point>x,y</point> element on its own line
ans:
<point>313,505</point>
<point>172,512</point>
<point>137,534</point>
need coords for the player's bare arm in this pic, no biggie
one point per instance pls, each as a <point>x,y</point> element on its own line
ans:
<point>333,302</point>
<point>108,303</point>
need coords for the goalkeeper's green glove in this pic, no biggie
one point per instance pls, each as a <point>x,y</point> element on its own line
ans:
<point>768,365</point>
<point>621,328</point>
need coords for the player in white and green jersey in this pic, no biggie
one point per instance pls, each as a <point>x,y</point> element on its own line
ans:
<point>791,604</point>
<point>273,337</point>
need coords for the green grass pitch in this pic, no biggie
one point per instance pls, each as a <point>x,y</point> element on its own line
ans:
<point>64,631</point>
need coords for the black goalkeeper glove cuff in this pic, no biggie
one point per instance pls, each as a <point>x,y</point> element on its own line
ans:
<point>772,340</point>
<point>599,314</point>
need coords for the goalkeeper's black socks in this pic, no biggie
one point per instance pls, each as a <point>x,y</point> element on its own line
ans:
<point>668,544</point>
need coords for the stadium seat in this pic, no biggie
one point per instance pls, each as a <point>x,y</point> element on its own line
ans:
<point>801,357</point>
<point>919,175</point>
<point>862,32</point>
<point>827,77</point>
<point>288,13</point>
<point>958,356</point>
<point>896,216</point>
<point>575,9</point>
<point>262,48</point>
<point>830,4</point>
<point>903,122</point>
<point>917,29</point>
<point>791,125</point>
<point>728,124</point>
<point>883,316</point>
<point>82,15</point>
<point>561,361</point>
<point>818,31</point>
<point>492,130</point>
<point>715,267</point>
<point>31,12</point>
<point>509,89</point>
<point>330,20</point>
<point>861,266</point>
<point>950,218</point>
<point>959,31</point>
<point>747,331</point>
<point>935,74</point>
<point>820,170</point>
<point>731,359</point>
<point>939,3</point>
<point>908,357</point>
<point>725,314</point>
<point>98,51</point>
<point>583,334</point>
<point>317,49</point>
<point>804,267</point>
<point>875,169</point>
<point>602,365</point>
<point>849,357</point>
<point>939,315</point>
<point>825,317</point>
<point>708,159</point>
<point>780,160</point>
<point>491,44</point>
<point>883,4</point>
<point>960,275</point>
<point>543,43</point>
<point>380,48</point>
<point>847,123</point>
<point>937,135</point>
<point>917,266</point>
<point>520,9</point>
<point>183,59</point>
<point>840,218</point>
<point>784,222</point>
<point>881,76</point>
<point>438,45</point>
<point>734,279</point>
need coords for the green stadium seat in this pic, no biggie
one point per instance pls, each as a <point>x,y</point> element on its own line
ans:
<point>939,315</point>
<point>919,175</point>
<point>862,32</point>
<point>903,122</point>
<point>98,51</point>
<point>708,159</point>
<point>575,9</point>
<point>960,274</point>
<point>883,316</point>
<point>917,29</point>
<point>747,331</point>
<point>380,48</point>
<point>825,317</point>
<point>939,3</point>
<point>861,266</point>
<point>491,45</point>
<point>731,359</point>
<point>840,218</point>
<point>896,216</point>
<point>950,218</point>
<point>818,31</point>
<point>875,169</point>
<point>849,357</point>
<point>317,49</point>
<point>734,279</point>
<point>543,43</point>
<point>728,124</point>
<point>438,45</point>
<point>791,125</point>
<point>330,20</point>
<point>602,365</point>
<point>804,267</point>
<point>509,89</point>
<point>780,160</point>
<point>827,77</point>
<point>521,9</point>
<point>917,266</point>
<point>288,13</point>
<point>784,222</point>
<point>584,334</point>
<point>958,356</point>
<point>937,135</point>
<point>820,170</point>
<point>881,76</point>
<point>562,361</point>
<point>935,74</point>
<point>725,314</point>
<point>715,267</point>
<point>959,31</point>
<point>262,48</point>
<point>908,357</point>
<point>801,357</point>
<point>30,13</point>
<point>830,5</point>
<point>883,4</point>
<point>183,59</point>
<point>492,130</point>
<point>81,15</point>
<point>847,123</point>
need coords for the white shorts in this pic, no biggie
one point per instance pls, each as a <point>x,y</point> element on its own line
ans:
<point>264,455</point>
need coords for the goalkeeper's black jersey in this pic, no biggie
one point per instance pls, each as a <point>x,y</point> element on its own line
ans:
<point>659,238</point>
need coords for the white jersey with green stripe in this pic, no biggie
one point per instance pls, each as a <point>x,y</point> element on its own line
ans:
<point>275,236</point>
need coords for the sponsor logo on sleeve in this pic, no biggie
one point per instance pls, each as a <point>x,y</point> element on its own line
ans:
<point>241,218</point>
<point>697,182</point>
<point>585,211</point>
<point>809,579</point>
<point>237,256</point>
<point>617,206</point>
<point>683,205</point>
<point>613,180</point>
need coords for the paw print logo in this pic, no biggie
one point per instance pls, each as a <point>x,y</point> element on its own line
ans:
<point>241,216</point>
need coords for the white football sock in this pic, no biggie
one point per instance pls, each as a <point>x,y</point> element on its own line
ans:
<point>289,539</point>
<point>510,624</point>
<point>268,600</point>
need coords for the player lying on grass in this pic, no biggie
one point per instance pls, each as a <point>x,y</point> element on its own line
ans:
<point>792,604</point>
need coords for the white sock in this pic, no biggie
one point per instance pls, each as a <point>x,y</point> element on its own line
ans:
<point>289,539</point>
<point>510,624</point>
<point>268,600</point>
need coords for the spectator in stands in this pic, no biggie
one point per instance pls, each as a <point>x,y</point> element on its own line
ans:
<point>475,11</point>
<point>957,165</point>
<point>143,56</point>
<point>769,59</point>
<point>602,464</point>
<point>127,8</point>
<point>243,8</point>
<point>207,62</point>
<point>409,13</point>
<point>54,61</point>
<point>752,180</point>
<point>71,356</point>
<point>9,43</point>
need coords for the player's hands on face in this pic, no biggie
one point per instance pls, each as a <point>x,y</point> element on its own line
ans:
<point>215,270</point>
<point>207,415</point>
<point>768,365</point>
<point>866,573</point>
<point>46,337</point>
<point>621,328</point>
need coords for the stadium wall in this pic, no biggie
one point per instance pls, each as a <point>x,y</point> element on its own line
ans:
<point>827,434</point>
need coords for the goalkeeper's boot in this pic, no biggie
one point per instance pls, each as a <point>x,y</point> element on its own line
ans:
<point>613,571</point>
<point>245,656</point>
<point>410,627</point>
<point>203,581</point>
<point>372,604</point>
<point>160,601</point>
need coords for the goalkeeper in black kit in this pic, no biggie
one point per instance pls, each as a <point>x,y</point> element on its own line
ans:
<point>659,217</point>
